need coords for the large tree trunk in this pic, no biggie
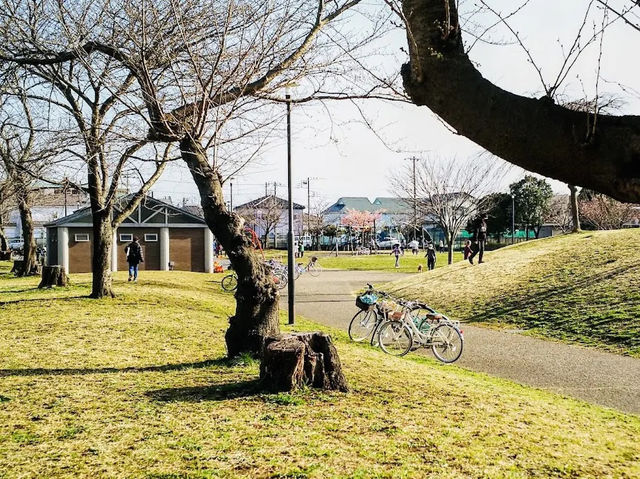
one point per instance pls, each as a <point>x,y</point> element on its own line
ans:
<point>537,135</point>
<point>101,257</point>
<point>575,212</point>
<point>256,314</point>
<point>29,262</point>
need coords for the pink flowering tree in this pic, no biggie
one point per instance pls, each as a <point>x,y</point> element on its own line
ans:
<point>360,221</point>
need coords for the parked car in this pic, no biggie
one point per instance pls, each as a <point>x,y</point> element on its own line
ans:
<point>16,244</point>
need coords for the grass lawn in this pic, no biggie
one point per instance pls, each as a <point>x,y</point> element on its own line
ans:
<point>582,288</point>
<point>375,262</point>
<point>137,387</point>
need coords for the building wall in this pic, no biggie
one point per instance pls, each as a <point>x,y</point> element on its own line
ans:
<point>186,249</point>
<point>150,249</point>
<point>80,252</point>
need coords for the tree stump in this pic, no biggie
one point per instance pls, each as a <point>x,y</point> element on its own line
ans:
<point>292,361</point>
<point>53,276</point>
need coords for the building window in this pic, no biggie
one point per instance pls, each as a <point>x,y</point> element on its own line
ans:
<point>150,238</point>
<point>126,238</point>
<point>82,238</point>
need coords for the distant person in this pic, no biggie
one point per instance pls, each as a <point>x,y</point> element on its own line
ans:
<point>300,249</point>
<point>134,257</point>
<point>441,246</point>
<point>480,237</point>
<point>415,246</point>
<point>431,257</point>
<point>467,249</point>
<point>396,252</point>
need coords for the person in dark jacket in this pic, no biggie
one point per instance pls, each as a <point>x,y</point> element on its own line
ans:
<point>431,256</point>
<point>134,257</point>
<point>480,237</point>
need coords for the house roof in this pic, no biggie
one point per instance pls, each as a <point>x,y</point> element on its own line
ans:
<point>148,203</point>
<point>359,203</point>
<point>261,202</point>
<point>393,205</point>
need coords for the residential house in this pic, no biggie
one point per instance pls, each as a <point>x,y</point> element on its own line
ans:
<point>268,216</point>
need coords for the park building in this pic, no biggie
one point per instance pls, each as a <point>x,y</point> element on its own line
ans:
<point>171,239</point>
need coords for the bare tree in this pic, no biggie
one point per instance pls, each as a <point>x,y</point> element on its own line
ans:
<point>605,213</point>
<point>6,203</point>
<point>449,192</point>
<point>104,144</point>
<point>536,134</point>
<point>207,75</point>
<point>560,213</point>
<point>24,154</point>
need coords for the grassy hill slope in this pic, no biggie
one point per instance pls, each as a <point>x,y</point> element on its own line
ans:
<point>137,386</point>
<point>582,288</point>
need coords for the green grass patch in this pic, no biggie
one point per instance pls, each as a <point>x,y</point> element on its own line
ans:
<point>374,262</point>
<point>138,386</point>
<point>577,288</point>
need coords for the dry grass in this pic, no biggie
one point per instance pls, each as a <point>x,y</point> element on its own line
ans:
<point>582,288</point>
<point>138,387</point>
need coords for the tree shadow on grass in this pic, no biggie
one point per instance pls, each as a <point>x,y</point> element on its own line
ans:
<point>131,369</point>
<point>40,299</point>
<point>218,392</point>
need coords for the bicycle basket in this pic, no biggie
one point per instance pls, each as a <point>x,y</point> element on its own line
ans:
<point>366,301</point>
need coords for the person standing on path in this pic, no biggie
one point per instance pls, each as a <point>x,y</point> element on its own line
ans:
<point>480,238</point>
<point>441,246</point>
<point>431,256</point>
<point>134,257</point>
<point>300,249</point>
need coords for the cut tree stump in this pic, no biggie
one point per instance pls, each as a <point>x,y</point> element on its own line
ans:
<point>291,361</point>
<point>53,276</point>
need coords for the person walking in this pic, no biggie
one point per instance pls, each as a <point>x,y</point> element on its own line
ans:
<point>134,257</point>
<point>441,246</point>
<point>300,249</point>
<point>431,256</point>
<point>415,246</point>
<point>480,238</point>
<point>396,252</point>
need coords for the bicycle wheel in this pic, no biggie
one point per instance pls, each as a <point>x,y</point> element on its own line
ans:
<point>230,282</point>
<point>447,343</point>
<point>362,325</point>
<point>297,271</point>
<point>280,278</point>
<point>314,269</point>
<point>395,338</point>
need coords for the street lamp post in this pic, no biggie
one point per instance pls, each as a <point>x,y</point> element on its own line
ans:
<point>290,260</point>
<point>513,217</point>
<point>231,193</point>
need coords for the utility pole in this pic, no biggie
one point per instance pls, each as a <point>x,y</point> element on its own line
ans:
<point>231,193</point>
<point>290,260</point>
<point>308,205</point>
<point>64,190</point>
<point>266,188</point>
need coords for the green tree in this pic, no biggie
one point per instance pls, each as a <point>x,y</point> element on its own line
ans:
<point>532,199</point>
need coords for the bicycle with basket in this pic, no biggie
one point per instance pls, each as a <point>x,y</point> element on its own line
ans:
<point>399,326</point>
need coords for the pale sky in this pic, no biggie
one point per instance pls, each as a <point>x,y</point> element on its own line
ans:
<point>350,160</point>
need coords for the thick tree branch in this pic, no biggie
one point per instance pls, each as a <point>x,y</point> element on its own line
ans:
<point>535,134</point>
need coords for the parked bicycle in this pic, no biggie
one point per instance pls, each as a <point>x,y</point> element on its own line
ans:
<point>312,267</point>
<point>278,273</point>
<point>398,326</point>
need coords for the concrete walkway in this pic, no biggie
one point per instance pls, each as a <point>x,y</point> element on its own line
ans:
<point>594,376</point>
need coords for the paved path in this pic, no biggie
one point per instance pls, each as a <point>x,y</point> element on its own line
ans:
<point>594,376</point>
